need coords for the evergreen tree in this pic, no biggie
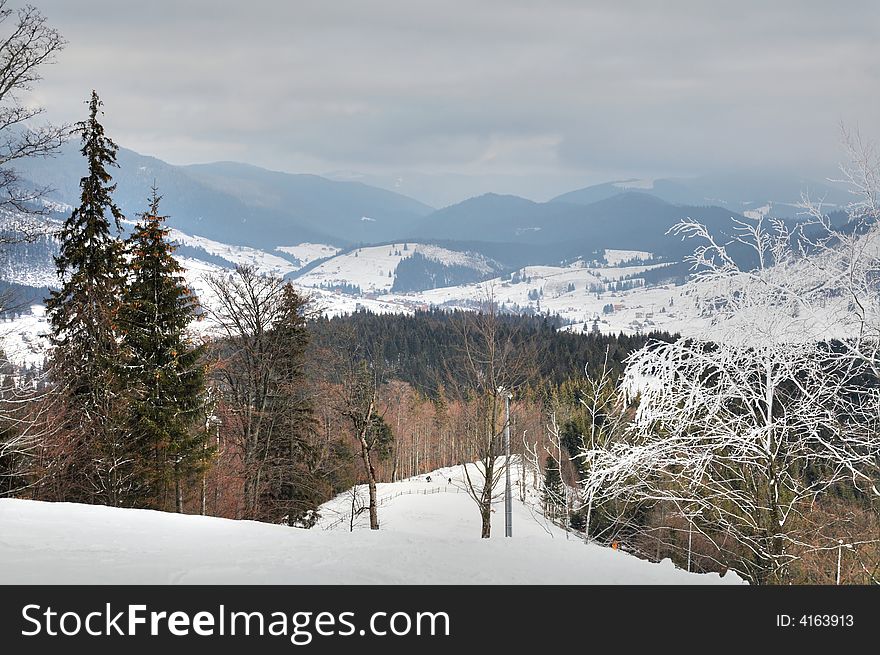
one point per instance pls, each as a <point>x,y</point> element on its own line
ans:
<point>163,368</point>
<point>290,493</point>
<point>83,317</point>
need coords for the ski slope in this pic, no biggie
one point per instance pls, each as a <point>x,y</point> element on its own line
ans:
<point>429,535</point>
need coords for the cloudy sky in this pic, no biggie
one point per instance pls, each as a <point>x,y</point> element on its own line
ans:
<point>568,88</point>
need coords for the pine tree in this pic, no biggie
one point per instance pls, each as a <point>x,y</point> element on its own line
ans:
<point>163,367</point>
<point>288,494</point>
<point>83,317</point>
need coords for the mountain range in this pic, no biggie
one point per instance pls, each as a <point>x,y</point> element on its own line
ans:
<point>240,204</point>
<point>245,205</point>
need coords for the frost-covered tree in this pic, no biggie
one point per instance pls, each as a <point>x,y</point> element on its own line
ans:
<point>775,403</point>
<point>162,365</point>
<point>843,275</point>
<point>84,321</point>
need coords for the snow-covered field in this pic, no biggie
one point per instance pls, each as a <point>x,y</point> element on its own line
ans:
<point>429,535</point>
<point>565,290</point>
<point>306,253</point>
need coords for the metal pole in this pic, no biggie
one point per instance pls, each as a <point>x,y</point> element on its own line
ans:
<point>508,497</point>
<point>690,539</point>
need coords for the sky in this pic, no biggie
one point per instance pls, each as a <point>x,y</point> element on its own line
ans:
<point>564,90</point>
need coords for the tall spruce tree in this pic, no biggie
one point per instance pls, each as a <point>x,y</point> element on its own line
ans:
<point>288,494</point>
<point>83,317</point>
<point>162,365</point>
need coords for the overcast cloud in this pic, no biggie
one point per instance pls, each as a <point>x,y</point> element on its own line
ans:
<point>473,86</point>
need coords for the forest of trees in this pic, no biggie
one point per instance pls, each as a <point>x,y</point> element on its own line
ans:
<point>418,273</point>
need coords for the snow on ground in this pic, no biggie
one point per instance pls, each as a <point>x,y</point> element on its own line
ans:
<point>331,303</point>
<point>553,282</point>
<point>758,213</point>
<point>425,538</point>
<point>373,268</point>
<point>306,253</point>
<point>23,340</point>
<point>195,273</point>
<point>616,257</point>
<point>28,275</point>
<point>264,262</point>
<point>644,309</point>
<point>665,307</point>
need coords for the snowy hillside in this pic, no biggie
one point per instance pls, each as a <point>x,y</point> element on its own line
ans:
<point>617,257</point>
<point>238,255</point>
<point>578,293</point>
<point>306,253</point>
<point>429,535</point>
<point>665,307</point>
<point>23,339</point>
<point>373,268</point>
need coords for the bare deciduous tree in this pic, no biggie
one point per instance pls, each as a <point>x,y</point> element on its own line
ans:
<point>28,43</point>
<point>259,370</point>
<point>358,378</point>
<point>25,426</point>
<point>491,364</point>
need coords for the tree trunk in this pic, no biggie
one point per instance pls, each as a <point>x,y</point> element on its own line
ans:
<point>374,513</point>
<point>371,482</point>
<point>486,501</point>
<point>486,518</point>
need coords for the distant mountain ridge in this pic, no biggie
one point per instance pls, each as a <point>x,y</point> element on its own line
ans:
<point>238,203</point>
<point>736,191</point>
<point>565,231</point>
<point>244,205</point>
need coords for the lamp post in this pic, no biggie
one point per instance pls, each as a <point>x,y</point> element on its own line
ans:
<point>840,547</point>
<point>508,496</point>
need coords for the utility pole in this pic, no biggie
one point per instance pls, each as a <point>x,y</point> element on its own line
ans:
<point>508,496</point>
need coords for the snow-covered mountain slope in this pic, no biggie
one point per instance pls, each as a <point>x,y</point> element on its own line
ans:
<point>264,262</point>
<point>617,257</point>
<point>579,293</point>
<point>306,253</point>
<point>425,538</point>
<point>569,291</point>
<point>373,268</point>
<point>23,339</point>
